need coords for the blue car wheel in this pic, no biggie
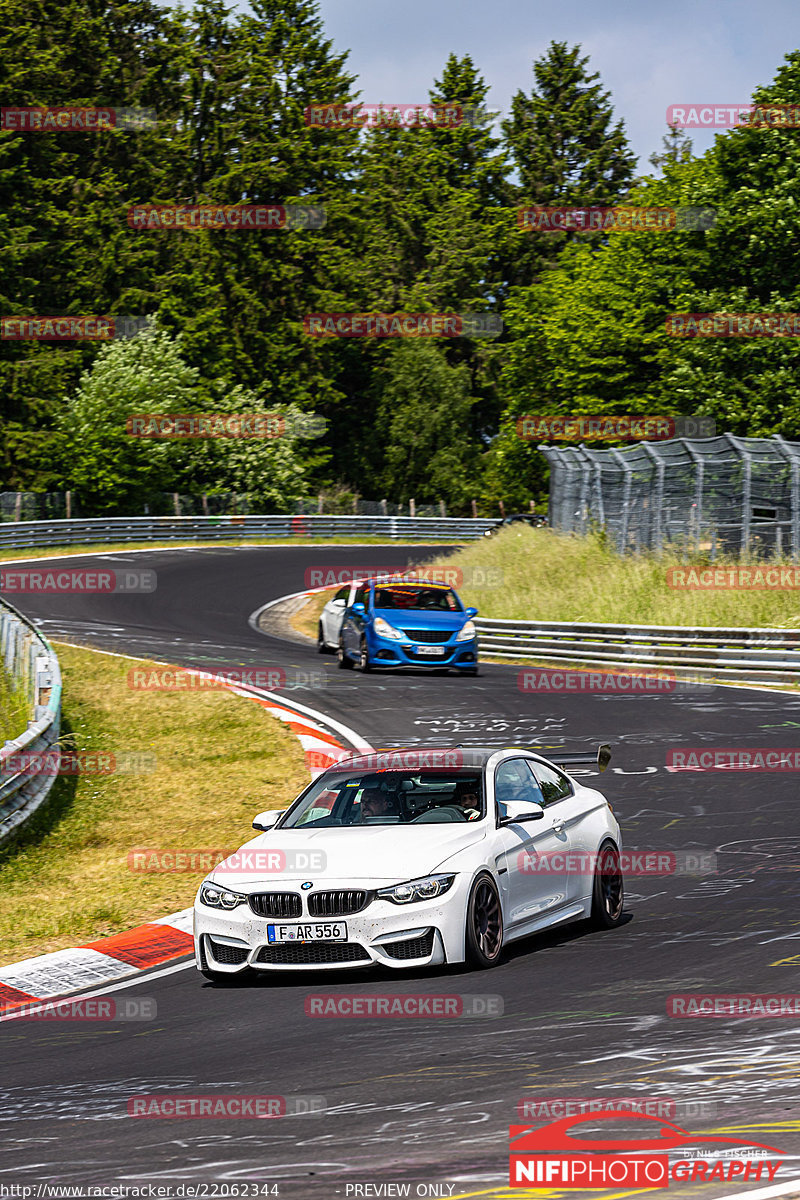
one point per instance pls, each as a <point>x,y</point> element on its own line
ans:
<point>364,665</point>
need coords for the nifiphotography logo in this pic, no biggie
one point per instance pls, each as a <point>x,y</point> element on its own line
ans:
<point>548,1156</point>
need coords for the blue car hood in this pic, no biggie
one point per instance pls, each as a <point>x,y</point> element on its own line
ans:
<point>421,618</point>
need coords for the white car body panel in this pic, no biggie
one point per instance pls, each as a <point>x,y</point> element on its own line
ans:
<point>373,857</point>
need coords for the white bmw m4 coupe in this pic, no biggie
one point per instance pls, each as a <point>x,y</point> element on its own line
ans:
<point>413,858</point>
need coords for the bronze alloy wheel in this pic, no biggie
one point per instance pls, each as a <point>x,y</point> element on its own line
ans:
<point>608,896</point>
<point>484,924</point>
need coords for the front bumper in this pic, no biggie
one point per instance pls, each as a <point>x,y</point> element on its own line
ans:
<point>427,933</point>
<point>386,652</point>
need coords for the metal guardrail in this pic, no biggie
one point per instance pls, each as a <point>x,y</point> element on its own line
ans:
<point>29,658</point>
<point>20,534</point>
<point>733,654</point>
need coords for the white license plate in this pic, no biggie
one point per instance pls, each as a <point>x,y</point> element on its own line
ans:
<point>432,650</point>
<point>316,932</point>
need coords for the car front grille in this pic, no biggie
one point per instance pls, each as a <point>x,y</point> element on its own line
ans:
<point>337,904</point>
<point>231,956</point>
<point>418,947</point>
<point>276,904</point>
<point>298,954</point>
<point>429,635</point>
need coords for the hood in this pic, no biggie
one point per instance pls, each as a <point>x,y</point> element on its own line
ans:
<point>382,853</point>
<point>421,618</point>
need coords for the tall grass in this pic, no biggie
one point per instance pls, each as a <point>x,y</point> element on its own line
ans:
<point>15,708</point>
<point>219,759</point>
<point>537,574</point>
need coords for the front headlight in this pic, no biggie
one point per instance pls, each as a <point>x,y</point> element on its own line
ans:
<point>467,633</point>
<point>384,629</point>
<point>417,889</point>
<point>219,897</point>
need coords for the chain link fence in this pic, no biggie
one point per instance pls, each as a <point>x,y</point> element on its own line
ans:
<point>722,496</point>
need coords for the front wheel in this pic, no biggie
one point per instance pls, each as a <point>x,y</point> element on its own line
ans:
<point>484,940</point>
<point>608,893</point>
<point>321,646</point>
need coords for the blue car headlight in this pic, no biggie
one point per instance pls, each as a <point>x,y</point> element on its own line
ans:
<point>219,897</point>
<point>385,630</point>
<point>417,889</point>
<point>467,632</point>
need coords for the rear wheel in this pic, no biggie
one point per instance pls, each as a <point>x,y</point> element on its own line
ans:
<point>484,940</point>
<point>608,894</point>
<point>364,664</point>
<point>321,647</point>
<point>344,661</point>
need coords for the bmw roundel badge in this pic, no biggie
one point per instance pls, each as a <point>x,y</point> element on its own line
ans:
<point>306,886</point>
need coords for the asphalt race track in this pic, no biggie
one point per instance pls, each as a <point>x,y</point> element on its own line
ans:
<point>428,1101</point>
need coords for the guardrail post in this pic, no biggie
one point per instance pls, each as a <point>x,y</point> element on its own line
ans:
<point>699,468</point>
<point>746,490</point>
<point>792,459</point>
<point>626,499</point>
<point>657,506</point>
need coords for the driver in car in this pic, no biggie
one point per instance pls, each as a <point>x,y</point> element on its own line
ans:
<point>376,803</point>
<point>467,799</point>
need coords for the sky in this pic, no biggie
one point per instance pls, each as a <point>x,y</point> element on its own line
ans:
<point>648,55</point>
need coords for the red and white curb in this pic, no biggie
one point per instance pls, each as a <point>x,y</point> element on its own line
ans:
<point>65,972</point>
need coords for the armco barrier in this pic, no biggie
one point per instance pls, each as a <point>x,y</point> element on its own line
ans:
<point>28,658</point>
<point>732,655</point>
<point>19,534</point>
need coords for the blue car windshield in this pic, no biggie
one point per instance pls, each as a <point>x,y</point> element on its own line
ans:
<point>430,599</point>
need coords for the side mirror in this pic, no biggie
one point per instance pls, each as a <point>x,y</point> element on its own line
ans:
<point>267,820</point>
<point>358,607</point>
<point>518,811</point>
<point>472,612</point>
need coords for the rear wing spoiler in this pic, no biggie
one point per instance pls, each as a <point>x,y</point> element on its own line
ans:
<point>600,759</point>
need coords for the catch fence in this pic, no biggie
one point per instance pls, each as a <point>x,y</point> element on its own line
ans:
<point>725,496</point>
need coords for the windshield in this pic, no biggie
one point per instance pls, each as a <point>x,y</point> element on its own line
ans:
<point>436,599</point>
<point>388,798</point>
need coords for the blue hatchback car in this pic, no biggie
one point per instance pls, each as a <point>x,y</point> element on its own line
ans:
<point>408,624</point>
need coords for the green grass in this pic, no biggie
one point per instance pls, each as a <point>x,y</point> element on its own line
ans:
<point>547,576</point>
<point>15,708</point>
<point>220,759</point>
<point>27,553</point>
